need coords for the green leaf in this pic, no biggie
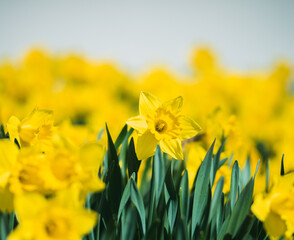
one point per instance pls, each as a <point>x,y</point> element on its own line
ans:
<point>282,166</point>
<point>157,180</point>
<point>234,184</point>
<point>121,137</point>
<point>104,207</point>
<point>222,162</point>
<point>245,229</point>
<point>124,199</point>
<point>240,182</point>
<point>4,225</point>
<point>231,159</point>
<point>88,205</point>
<point>98,228</point>
<point>222,231</point>
<point>112,155</point>
<point>133,162</point>
<point>113,176</point>
<point>257,167</point>
<point>136,198</point>
<point>184,196</point>
<point>158,174</point>
<point>123,153</point>
<point>215,164</point>
<point>241,209</point>
<point>170,183</point>
<point>219,214</point>
<point>217,195</point>
<point>201,193</point>
<point>267,175</point>
<point>246,173</point>
<point>172,210</point>
<point>181,231</point>
<point>100,134</point>
<point>129,224</point>
<point>2,132</point>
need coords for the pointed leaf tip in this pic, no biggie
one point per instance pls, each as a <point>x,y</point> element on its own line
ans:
<point>282,166</point>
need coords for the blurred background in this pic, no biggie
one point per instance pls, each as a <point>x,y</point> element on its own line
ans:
<point>231,61</point>
<point>246,35</point>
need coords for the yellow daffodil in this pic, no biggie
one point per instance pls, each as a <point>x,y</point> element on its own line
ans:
<point>163,124</point>
<point>61,217</point>
<point>28,172</point>
<point>36,127</point>
<point>68,166</point>
<point>8,158</point>
<point>276,208</point>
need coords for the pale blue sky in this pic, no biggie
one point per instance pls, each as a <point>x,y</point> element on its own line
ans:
<point>136,34</point>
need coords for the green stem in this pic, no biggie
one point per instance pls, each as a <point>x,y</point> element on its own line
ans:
<point>11,222</point>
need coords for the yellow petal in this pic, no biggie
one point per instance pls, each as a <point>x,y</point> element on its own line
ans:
<point>37,118</point>
<point>274,225</point>
<point>86,220</point>
<point>261,207</point>
<point>29,205</point>
<point>138,123</point>
<point>189,128</point>
<point>13,128</point>
<point>24,231</point>
<point>72,197</point>
<point>8,158</point>
<point>94,184</point>
<point>146,145</point>
<point>91,156</point>
<point>148,103</point>
<point>175,104</point>
<point>6,200</point>
<point>172,147</point>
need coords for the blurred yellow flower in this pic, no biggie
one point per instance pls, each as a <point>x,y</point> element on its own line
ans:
<point>62,217</point>
<point>8,157</point>
<point>36,127</point>
<point>28,172</point>
<point>276,208</point>
<point>68,166</point>
<point>163,124</point>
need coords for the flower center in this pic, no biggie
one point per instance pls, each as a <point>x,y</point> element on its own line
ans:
<point>56,227</point>
<point>160,126</point>
<point>63,167</point>
<point>28,175</point>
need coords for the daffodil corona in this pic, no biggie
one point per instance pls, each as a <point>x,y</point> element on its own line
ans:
<point>163,124</point>
<point>61,217</point>
<point>37,127</point>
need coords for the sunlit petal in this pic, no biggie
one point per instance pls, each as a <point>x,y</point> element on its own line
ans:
<point>189,128</point>
<point>146,145</point>
<point>138,123</point>
<point>172,147</point>
<point>13,128</point>
<point>148,103</point>
<point>175,104</point>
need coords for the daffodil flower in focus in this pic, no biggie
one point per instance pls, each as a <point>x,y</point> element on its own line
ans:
<point>61,217</point>
<point>163,124</point>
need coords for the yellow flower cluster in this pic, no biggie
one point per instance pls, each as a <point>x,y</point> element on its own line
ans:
<point>45,179</point>
<point>49,156</point>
